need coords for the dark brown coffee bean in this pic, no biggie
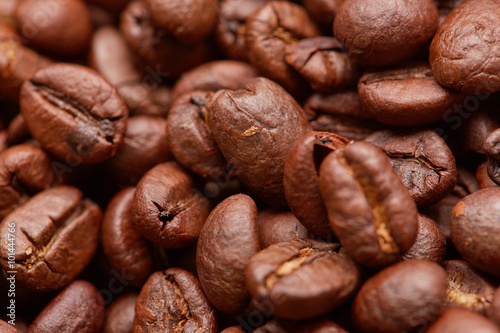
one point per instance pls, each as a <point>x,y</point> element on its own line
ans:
<point>302,278</point>
<point>445,7</point>
<point>369,208</point>
<point>301,179</point>
<point>350,128</point>
<point>167,210</point>
<point>322,63</point>
<point>59,27</point>
<point>126,250</point>
<point>213,76</point>
<point>145,145</point>
<point>173,301</point>
<point>111,5</point>
<point>401,298</point>
<point>430,243</point>
<point>467,288</point>
<point>254,129</point>
<point>477,128</point>
<point>493,312</point>
<point>345,103</point>
<point>475,230</point>
<point>74,113</point>
<point>24,171</point>
<point>120,315</point>
<point>406,96</point>
<point>464,51</point>
<point>234,329</point>
<point>456,320</point>
<point>278,226</point>
<point>17,131</point>
<point>423,161</point>
<point>381,33</point>
<point>323,11</point>
<point>230,30</point>
<point>482,177</point>
<point>188,21</point>
<point>191,140</point>
<point>307,326</point>
<point>78,308</point>
<point>269,31</point>
<point>492,149</point>
<point>227,242</point>
<point>49,229</point>
<point>166,57</point>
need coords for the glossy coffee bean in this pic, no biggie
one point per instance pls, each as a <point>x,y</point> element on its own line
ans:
<point>307,326</point>
<point>167,210</point>
<point>463,53</point>
<point>369,208</point>
<point>172,300</point>
<point>406,96</point>
<point>338,103</point>
<point>423,161</point>
<point>430,243</point>
<point>279,226</point>
<point>456,320</point>
<point>227,241</point>
<point>74,113</point>
<point>255,128</point>
<point>475,230</point>
<point>401,298</point>
<point>351,128</point>
<point>78,308</point>
<point>49,229</point>
<point>382,33</point>
<point>269,31</point>
<point>482,177</point>
<point>301,180</point>
<point>467,287</point>
<point>302,278</point>
<point>125,248</point>
<point>120,315</point>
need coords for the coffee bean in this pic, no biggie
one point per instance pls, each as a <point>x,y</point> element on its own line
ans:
<point>278,226</point>
<point>339,103</point>
<point>492,150</point>
<point>173,301</point>
<point>401,298</point>
<point>78,308</point>
<point>323,11</point>
<point>493,312</point>
<point>167,210</point>
<point>120,315</point>
<point>456,320</point>
<point>49,229</point>
<point>351,128</point>
<point>309,326</point>
<point>73,112</point>
<point>369,208</point>
<point>8,328</point>
<point>482,177</point>
<point>445,7</point>
<point>111,5</point>
<point>302,278</point>
<point>475,231</point>
<point>227,241</point>
<point>463,53</point>
<point>430,243</point>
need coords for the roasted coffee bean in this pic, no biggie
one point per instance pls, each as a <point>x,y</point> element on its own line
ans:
<point>301,179</point>
<point>322,63</point>
<point>120,315</point>
<point>227,242</point>
<point>482,177</point>
<point>74,113</point>
<point>430,243</point>
<point>493,312</point>
<point>17,131</point>
<point>382,33</point>
<point>464,51</point>
<point>191,141</point>
<point>475,230</point>
<point>351,128</point>
<point>111,5</point>
<point>7,11</point>
<point>145,145</point>
<point>234,329</point>
<point>477,128</point>
<point>279,226</point>
<point>269,30</point>
<point>166,57</point>
<point>401,298</point>
<point>445,7</point>
<point>126,250</point>
<point>254,129</point>
<point>230,30</point>
<point>167,210</point>
<point>406,96</point>
<point>173,301</point>
<point>213,76</point>
<point>188,21</point>
<point>467,287</point>
<point>62,28</point>
<point>308,326</point>
<point>456,320</point>
<point>323,11</point>
<point>24,171</point>
<point>340,103</point>
<point>49,229</point>
<point>423,161</point>
<point>302,278</point>
<point>492,149</point>
<point>369,208</point>
<point>78,308</point>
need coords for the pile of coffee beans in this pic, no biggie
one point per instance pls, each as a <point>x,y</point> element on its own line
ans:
<point>206,166</point>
